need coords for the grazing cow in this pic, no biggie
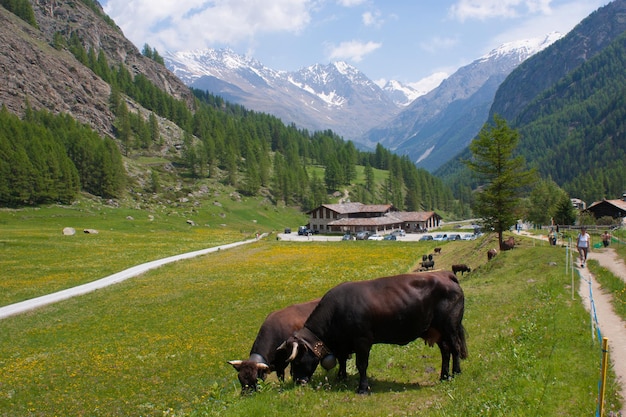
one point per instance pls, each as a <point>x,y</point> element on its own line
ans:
<point>353,316</point>
<point>264,358</point>
<point>508,244</point>
<point>430,257</point>
<point>428,265</point>
<point>424,257</point>
<point>437,251</point>
<point>491,253</point>
<point>462,268</point>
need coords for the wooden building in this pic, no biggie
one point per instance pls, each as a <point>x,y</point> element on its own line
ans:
<point>379,218</point>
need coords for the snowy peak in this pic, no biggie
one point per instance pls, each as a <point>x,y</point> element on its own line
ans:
<point>522,49</point>
<point>405,94</point>
<point>189,66</point>
<point>335,96</point>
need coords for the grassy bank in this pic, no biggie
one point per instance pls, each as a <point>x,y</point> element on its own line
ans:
<point>158,344</point>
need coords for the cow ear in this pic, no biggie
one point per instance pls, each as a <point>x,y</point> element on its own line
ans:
<point>236,364</point>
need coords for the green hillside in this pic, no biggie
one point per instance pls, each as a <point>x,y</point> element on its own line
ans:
<point>169,141</point>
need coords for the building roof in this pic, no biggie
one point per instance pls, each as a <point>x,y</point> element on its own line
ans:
<point>367,221</point>
<point>414,216</point>
<point>390,218</point>
<point>347,208</point>
<point>619,204</point>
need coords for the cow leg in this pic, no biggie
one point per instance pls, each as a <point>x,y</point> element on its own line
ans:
<point>445,360</point>
<point>456,363</point>
<point>362,362</point>
<point>280,373</point>
<point>342,374</point>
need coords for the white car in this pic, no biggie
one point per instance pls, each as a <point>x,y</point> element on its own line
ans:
<point>440,237</point>
<point>375,236</point>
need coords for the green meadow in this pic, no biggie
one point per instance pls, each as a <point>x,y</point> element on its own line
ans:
<point>157,344</point>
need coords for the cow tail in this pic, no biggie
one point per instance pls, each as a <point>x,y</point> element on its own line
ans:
<point>460,344</point>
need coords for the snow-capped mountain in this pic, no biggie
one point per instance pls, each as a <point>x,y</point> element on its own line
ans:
<point>431,121</point>
<point>405,94</point>
<point>336,96</point>
<point>438,125</point>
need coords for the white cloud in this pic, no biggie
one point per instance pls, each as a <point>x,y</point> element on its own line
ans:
<point>352,50</point>
<point>489,9</point>
<point>370,19</point>
<point>191,24</point>
<point>438,43</point>
<point>350,3</point>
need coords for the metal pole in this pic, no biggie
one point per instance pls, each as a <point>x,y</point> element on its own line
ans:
<point>605,354</point>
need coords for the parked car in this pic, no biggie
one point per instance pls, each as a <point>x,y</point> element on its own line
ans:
<point>303,231</point>
<point>390,237</point>
<point>347,236</point>
<point>454,237</point>
<point>400,232</point>
<point>287,230</point>
<point>375,236</point>
<point>426,237</point>
<point>440,237</point>
<point>363,235</point>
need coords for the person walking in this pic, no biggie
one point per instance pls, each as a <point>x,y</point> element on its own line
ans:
<point>552,237</point>
<point>583,243</point>
<point>606,238</point>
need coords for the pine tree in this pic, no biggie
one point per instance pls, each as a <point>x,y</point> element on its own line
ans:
<point>502,175</point>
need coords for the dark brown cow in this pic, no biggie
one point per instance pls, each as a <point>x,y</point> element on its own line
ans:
<point>462,268</point>
<point>278,326</point>
<point>437,251</point>
<point>353,316</point>
<point>508,244</point>
<point>491,253</point>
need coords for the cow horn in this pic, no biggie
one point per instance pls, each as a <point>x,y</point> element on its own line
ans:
<point>236,364</point>
<point>262,366</point>
<point>294,351</point>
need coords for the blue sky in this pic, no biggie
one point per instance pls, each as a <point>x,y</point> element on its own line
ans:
<point>405,40</point>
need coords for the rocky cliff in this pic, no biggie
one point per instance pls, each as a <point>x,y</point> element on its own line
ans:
<point>33,72</point>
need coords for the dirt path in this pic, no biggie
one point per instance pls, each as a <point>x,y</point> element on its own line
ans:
<point>611,325</point>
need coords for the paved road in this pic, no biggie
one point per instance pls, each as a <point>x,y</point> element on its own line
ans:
<point>23,306</point>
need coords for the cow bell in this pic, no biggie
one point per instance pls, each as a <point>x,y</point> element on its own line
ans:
<point>328,362</point>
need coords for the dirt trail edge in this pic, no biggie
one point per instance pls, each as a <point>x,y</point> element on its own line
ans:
<point>33,303</point>
<point>611,325</point>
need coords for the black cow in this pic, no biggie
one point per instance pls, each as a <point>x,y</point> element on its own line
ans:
<point>353,316</point>
<point>462,268</point>
<point>264,358</point>
<point>428,264</point>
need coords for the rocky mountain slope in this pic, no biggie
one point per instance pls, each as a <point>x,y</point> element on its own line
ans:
<point>436,126</point>
<point>35,73</point>
<point>336,96</point>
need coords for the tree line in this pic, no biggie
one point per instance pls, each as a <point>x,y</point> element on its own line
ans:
<point>47,158</point>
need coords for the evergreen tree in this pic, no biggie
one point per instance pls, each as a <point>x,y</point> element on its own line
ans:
<point>564,211</point>
<point>502,176</point>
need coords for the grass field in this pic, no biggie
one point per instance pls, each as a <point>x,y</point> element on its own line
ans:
<point>37,259</point>
<point>157,345</point>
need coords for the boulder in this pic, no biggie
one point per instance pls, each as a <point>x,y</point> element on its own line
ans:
<point>69,231</point>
